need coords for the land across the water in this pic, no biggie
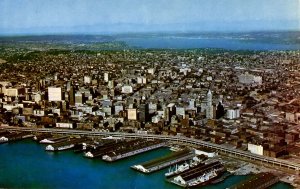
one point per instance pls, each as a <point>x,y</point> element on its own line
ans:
<point>265,41</point>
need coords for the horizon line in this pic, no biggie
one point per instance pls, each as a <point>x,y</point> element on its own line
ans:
<point>18,34</point>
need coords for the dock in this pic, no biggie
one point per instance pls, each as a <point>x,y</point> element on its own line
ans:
<point>84,146</point>
<point>54,140</point>
<point>258,181</point>
<point>137,147</point>
<point>110,146</point>
<point>104,147</point>
<point>64,145</point>
<point>13,136</point>
<point>42,136</point>
<point>163,162</point>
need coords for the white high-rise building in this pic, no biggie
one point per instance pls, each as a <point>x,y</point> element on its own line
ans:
<point>132,114</point>
<point>209,107</point>
<point>54,94</point>
<point>127,89</point>
<point>106,77</point>
<point>233,113</point>
<point>87,79</point>
<point>250,79</point>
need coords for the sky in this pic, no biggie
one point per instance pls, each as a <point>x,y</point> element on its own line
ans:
<point>120,16</point>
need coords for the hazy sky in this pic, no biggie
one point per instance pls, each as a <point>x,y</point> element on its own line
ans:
<point>103,16</point>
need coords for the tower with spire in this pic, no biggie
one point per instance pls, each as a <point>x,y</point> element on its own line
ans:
<point>209,106</point>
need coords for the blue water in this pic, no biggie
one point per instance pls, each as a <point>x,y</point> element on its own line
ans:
<point>26,165</point>
<point>158,42</point>
<point>268,40</point>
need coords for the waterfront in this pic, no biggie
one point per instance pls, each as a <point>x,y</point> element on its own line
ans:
<point>25,164</point>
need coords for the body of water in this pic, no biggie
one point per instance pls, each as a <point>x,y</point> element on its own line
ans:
<point>272,40</point>
<point>192,43</point>
<point>25,164</point>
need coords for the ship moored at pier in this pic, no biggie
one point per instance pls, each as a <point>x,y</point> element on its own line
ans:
<point>177,169</point>
<point>199,175</point>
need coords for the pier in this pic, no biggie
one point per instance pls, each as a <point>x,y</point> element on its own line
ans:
<point>137,147</point>
<point>160,163</point>
<point>85,146</point>
<point>42,136</point>
<point>64,145</point>
<point>104,147</point>
<point>54,140</point>
<point>13,136</point>
<point>258,181</point>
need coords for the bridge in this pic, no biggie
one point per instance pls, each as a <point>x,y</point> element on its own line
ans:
<point>245,154</point>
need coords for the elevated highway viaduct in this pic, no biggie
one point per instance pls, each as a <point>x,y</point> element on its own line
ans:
<point>244,154</point>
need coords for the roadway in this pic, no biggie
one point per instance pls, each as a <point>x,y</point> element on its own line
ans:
<point>183,139</point>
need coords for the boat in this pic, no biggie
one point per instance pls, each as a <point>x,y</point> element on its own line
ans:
<point>140,168</point>
<point>206,178</point>
<point>183,167</point>
<point>200,175</point>
<point>178,169</point>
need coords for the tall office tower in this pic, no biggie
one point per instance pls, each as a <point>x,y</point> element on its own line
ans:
<point>79,98</point>
<point>106,77</point>
<point>68,86</point>
<point>131,114</point>
<point>72,96</point>
<point>55,94</point>
<point>144,112</point>
<point>209,107</point>
<point>220,112</point>
<point>170,110</point>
